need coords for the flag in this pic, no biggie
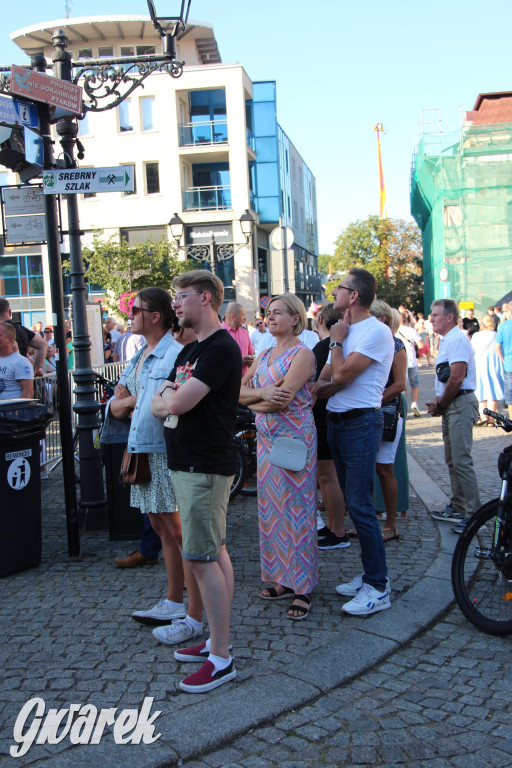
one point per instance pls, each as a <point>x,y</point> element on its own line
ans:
<point>382,189</point>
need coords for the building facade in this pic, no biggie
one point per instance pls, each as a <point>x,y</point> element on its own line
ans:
<point>461,198</point>
<point>206,146</point>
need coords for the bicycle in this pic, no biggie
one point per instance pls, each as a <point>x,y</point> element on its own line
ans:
<point>482,559</point>
<point>245,480</point>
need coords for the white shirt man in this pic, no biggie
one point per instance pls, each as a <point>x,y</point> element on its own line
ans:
<point>110,325</point>
<point>456,402</point>
<point>354,378</point>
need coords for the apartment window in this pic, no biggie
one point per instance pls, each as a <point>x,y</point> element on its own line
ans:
<point>125,116</point>
<point>105,51</point>
<point>83,125</point>
<point>147,112</point>
<point>127,50</point>
<point>152,178</point>
<point>146,50</point>
<point>127,194</point>
<point>85,53</point>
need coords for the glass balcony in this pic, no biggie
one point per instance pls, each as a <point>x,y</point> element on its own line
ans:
<point>207,198</point>
<point>207,132</point>
<point>251,141</point>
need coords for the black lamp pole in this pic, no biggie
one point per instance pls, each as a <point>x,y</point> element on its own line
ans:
<point>55,268</point>
<point>92,492</point>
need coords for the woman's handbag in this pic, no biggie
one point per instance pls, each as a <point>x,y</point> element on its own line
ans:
<point>134,468</point>
<point>288,453</point>
<point>390,425</point>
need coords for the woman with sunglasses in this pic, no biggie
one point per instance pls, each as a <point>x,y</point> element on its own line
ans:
<point>129,415</point>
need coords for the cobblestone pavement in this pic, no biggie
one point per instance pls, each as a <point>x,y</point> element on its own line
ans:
<point>442,701</point>
<point>67,636</point>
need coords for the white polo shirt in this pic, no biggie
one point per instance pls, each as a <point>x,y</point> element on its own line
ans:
<point>373,339</point>
<point>456,347</point>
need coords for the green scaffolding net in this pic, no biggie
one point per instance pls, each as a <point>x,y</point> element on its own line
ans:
<point>461,198</point>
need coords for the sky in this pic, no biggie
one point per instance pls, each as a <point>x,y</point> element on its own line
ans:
<point>341,66</point>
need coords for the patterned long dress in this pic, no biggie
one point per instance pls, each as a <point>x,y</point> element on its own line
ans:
<point>287,500</point>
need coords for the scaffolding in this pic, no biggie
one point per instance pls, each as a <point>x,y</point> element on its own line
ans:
<point>461,198</point>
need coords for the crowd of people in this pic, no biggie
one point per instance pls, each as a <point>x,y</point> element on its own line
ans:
<point>328,394</point>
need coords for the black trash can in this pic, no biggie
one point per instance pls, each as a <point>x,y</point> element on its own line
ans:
<point>22,425</point>
<point>124,521</point>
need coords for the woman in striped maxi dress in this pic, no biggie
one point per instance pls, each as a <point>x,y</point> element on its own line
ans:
<point>278,388</point>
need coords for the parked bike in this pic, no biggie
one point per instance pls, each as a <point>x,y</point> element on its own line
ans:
<point>245,480</point>
<point>482,560</point>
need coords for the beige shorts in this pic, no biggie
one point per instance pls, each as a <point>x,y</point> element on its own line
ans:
<point>202,503</point>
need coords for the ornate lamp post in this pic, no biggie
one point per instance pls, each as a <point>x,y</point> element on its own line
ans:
<point>212,253</point>
<point>106,83</point>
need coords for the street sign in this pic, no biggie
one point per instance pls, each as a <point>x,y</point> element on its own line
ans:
<point>277,237</point>
<point>18,111</point>
<point>445,290</point>
<point>23,200</point>
<point>25,229</point>
<point>76,181</point>
<point>264,302</point>
<point>50,90</point>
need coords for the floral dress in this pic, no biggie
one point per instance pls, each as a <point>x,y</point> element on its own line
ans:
<point>157,495</point>
<point>286,499</point>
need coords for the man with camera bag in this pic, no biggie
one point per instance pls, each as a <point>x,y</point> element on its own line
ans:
<point>456,402</point>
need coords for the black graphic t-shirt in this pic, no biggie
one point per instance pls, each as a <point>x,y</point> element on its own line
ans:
<point>202,440</point>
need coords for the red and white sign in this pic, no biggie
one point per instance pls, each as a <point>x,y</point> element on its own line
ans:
<point>50,90</point>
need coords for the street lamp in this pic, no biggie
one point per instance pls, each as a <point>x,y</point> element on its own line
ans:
<point>212,253</point>
<point>106,83</point>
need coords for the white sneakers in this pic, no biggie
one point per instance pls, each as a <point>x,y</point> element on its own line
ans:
<point>178,632</point>
<point>366,599</point>
<point>162,613</point>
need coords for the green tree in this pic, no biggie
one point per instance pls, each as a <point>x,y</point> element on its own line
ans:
<point>391,249</point>
<point>324,259</point>
<point>119,267</point>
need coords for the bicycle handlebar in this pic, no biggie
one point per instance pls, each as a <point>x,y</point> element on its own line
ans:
<point>501,421</point>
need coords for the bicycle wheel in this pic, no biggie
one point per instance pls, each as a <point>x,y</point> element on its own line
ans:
<point>250,485</point>
<point>241,469</point>
<point>482,586</point>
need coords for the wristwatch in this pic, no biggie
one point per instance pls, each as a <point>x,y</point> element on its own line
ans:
<point>333,344</point>
<point>167,386</point>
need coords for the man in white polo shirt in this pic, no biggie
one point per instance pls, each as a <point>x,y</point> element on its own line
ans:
<point>456,402</point>
<point>354,379</point>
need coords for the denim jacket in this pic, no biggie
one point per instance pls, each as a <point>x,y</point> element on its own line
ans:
<point>144,432</point>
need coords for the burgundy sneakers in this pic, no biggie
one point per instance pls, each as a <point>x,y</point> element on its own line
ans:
<point>205,679</point>
<point>197,653</point>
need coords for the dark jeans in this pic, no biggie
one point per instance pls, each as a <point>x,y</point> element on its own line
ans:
<point>354,444</point>
<point>149,544</point>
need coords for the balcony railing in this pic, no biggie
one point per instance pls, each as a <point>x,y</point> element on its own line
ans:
<point>209,132</point>
<point>207,198</point>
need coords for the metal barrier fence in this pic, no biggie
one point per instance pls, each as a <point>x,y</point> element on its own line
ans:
<point>45,390</point>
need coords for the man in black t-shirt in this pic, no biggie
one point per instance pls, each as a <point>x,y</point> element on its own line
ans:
<point>199,403</point>
<point>470,323</point>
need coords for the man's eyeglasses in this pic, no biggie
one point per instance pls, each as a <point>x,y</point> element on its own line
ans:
<point>178,299</point>
<point>47,331</point>
<point>346,287</point>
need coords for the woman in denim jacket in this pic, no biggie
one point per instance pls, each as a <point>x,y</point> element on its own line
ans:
<point>129,419</point>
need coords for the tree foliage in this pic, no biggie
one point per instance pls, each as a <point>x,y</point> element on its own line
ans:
<point>391,249</point>
<point>118,268</point>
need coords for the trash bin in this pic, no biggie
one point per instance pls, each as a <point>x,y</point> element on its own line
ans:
<point>124,521</point>
<point>22,425</point>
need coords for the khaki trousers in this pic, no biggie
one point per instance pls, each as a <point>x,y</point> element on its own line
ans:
<point>458,421</point>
